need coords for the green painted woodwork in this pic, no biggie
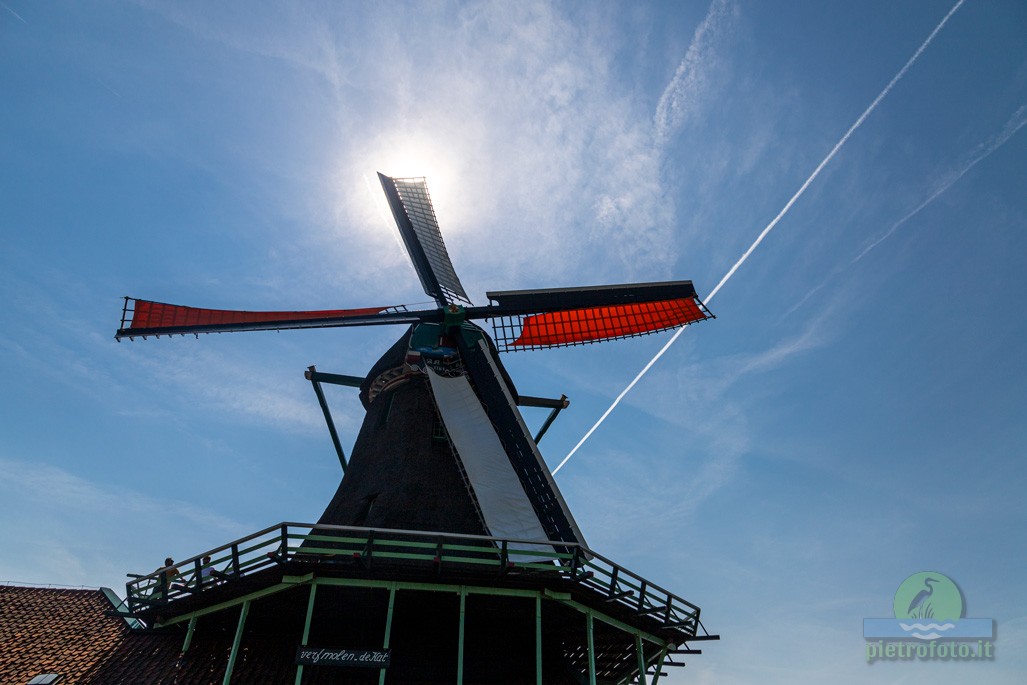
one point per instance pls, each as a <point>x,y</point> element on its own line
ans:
<point>189,635</point>
<point>538,639</point>
<point>659,665</point>
<point>388,630</point>
<point>250,554</point>
<point>591,649</point>
<point>640,652</point>
<point>236,642</point>
<point>306,629</point>
<point>460,639</point>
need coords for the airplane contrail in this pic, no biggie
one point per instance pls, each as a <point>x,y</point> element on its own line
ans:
<point>763,234</point>
<point>1015,123</point>
<point>16,15</point>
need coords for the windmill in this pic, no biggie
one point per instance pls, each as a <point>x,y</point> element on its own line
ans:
<point>443,449</point>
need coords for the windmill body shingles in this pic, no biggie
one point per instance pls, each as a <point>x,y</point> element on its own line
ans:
<point>409,477</point>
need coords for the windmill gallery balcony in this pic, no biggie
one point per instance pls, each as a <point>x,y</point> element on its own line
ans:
<point>606,622</point>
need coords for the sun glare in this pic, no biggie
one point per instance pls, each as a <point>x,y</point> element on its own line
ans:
<point>406,156</point>
<point>414,157</point>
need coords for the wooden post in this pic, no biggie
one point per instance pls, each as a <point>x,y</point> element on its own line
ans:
<point>538,639</point>
<point>306,628</point>
<point>388,629</point>
<point>235,643</point>
<point>460,639</point>
<point>591,650</point>
<point>189,635</point>
<point>640,652</point>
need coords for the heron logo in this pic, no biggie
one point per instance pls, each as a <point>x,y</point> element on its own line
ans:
<point>929,623</point>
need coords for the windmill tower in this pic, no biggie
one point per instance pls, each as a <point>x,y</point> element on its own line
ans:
<point>448,553</point>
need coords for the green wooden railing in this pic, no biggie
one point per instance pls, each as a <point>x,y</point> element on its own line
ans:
<point>332,546</point>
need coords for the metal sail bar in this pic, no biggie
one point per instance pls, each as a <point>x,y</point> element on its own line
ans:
<point>537,319</point>
<point>415,217</point>
<point>142,318</point>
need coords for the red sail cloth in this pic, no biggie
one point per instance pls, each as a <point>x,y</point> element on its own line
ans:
<point>159,315</point>
<point>601,323</point>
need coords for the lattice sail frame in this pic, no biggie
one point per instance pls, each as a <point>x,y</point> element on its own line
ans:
<point>413,193</point>
<point>594,324</point>
<point>143,318</point>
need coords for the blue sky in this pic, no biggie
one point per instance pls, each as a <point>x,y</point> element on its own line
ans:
<point>853,416</point>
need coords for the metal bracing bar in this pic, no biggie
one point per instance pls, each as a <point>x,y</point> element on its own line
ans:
<point>460,639</point>
<point>388,628</point>
<point>640,652</point>
<point>314,377</point>
<point>189,635</point>
<point>235,643</point>
<point>306,629</point>
<point>538,639</point>
<point>552,417</point>
<point>543,402</point>
<point>591,649</point>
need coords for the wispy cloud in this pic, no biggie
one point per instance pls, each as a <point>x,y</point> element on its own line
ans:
<point>54,486</point>
<point>684,95</point>
<point>559,155</point>
<point>68,529</point>
<point>242,388</point>
<point>980,153</point>
<point>769,227</point>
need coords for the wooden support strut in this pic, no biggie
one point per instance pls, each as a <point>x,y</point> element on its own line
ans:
<point>306,628</point>
<point>315,379</point>
<point>236,642</point>
<point>388,628</point>
<point>460,638</point>
<point>591,649</point>
<point>640,652</point>
<point>659,666</point>
<point>538,639</point>
<point>556,406</point>
<point>189,635</point>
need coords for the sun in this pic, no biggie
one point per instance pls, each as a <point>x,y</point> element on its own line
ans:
<point>418,156</point>
<point>401,154</point>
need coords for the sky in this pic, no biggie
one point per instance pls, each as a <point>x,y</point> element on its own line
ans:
<point>854,414</point>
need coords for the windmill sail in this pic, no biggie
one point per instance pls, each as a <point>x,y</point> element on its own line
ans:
<point>500,496</point>
<point>141,318</point>
<point>558,317</point>
<point>415,217</point>
<point>521,451</point>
